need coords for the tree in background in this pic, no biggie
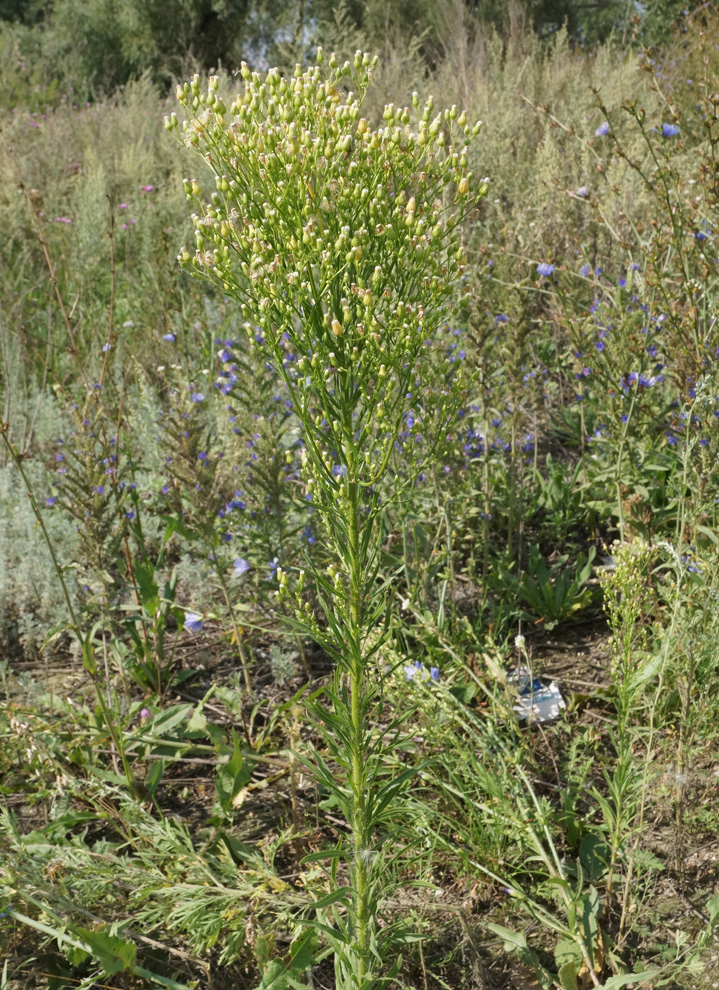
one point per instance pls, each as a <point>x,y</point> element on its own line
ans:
<point>98,45</point>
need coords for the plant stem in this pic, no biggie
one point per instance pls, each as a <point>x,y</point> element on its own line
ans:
<point>236,630</point>
<point>359,825</point>
<point>620,455</point>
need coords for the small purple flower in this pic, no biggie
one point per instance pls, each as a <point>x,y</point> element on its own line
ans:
<point>241,566</point>
<point>649,381</point>
<point>169,337</point>
<point>584,270</point>
<point>670,130</point>
<point>434,673</point>
<point>413,670</point>
<point>603,129</point>
<point>106,348</point>
<point>582,192</point>
<point>144,713</point>
<point>197,397</point>
<point>545,269</point>
<point>51,500</point>
<point>501,318</point>
<point>193,622</point>
<point>100,489</point>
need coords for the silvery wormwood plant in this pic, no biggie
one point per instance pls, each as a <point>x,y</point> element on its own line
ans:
<point>341,244</point>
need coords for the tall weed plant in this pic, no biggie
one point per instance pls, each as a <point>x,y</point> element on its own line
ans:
<point>340,244</point>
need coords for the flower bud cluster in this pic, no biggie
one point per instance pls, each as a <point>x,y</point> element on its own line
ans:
<point>341,243</point>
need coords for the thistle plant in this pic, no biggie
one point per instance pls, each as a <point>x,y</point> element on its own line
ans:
<point>341,244</point>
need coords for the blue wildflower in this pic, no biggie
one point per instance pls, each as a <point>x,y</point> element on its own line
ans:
<point>670,130</point>
<point>169,337</point>
<point>241,566</point>
<point>193,622</point>
<point>543,268</point>
<point>603,129</point>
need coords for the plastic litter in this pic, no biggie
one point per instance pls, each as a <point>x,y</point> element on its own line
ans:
<point>537,702</point>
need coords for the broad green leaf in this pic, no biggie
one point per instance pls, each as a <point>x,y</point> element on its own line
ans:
<point>304,951</point>
<point>568,975</point>
<point>154,775</point>
<point>590,910</point>
<point>113,953</point>
<point>167,720</point>
<point>275,977</point>
<point>231,777</point>
<point>594,855</point>
<point>145,577</point>
<point>625,979</point>
<point>464,693</point>
<point>566,951</point>
<point>513,940</point>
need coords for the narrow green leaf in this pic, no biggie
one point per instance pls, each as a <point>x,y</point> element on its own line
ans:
<point>341,894</point>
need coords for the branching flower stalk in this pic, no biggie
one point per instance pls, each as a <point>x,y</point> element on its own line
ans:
<point>340,243</point>
<point>85,642</point>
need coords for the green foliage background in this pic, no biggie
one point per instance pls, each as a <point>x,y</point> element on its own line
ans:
<point>97,45</point>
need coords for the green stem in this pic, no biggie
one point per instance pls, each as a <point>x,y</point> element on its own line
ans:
<point>620,456</point>
<point>236,630</point>
<point>359,756</point>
